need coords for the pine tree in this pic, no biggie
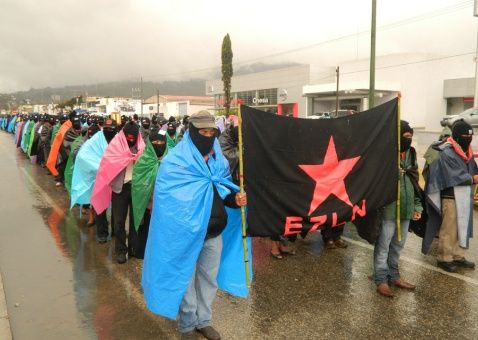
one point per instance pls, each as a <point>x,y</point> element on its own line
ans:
<point>226,57</point>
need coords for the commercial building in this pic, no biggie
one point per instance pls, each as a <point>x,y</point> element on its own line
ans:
<point>431,86</point>
<point>277,91</point>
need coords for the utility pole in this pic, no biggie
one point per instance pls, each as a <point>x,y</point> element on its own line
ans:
<point>337,71</point>
<point>141,89</point>
<point>371,93</point>
<point>157,102</point>
<point>475,99</point>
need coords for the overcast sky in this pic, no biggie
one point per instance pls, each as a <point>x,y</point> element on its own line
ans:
<point>66,42</point>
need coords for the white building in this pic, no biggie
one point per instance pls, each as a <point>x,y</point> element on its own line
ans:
<point>177,106</point>
<point>430,86</point>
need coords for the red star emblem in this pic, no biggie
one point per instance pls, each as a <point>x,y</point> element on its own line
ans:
<point>329,177</point>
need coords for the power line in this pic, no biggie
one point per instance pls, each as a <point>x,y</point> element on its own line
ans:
<point>429,15</point>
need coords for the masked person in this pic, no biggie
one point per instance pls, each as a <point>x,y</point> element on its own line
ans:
<point>171,135</point>
<point>144,129</point>
<point>65,147</point>
<point>85,171</point>
<point>113,183</point>
<point>449,189</point>
<point>183,128</point>
<point>192,188</point>
<point>387,247</point>
<point>155,122</point>
<point>144,175</point>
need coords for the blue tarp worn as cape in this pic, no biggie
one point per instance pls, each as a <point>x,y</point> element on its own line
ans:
<point>231,276</point>
<point>11,125</point>
<point>86,166</point>
<point>182,203</point>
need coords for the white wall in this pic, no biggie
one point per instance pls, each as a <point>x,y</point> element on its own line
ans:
<point>421,83</point>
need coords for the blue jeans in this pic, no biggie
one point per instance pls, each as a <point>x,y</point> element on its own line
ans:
<point>195,310</point>
<point>387,251</point>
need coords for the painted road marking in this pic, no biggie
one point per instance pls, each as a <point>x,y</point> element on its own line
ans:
<point>417,263</point>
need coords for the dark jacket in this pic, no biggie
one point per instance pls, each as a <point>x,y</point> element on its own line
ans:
<point>218,219</point>
<point>230,150</point>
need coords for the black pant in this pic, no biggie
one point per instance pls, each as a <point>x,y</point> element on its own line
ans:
<point>333,234</point>
<point>137,239</point>
<point>120,204</point>
<point>61,171</point>
<point>101,224</point>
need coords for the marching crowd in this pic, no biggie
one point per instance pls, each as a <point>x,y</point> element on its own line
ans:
<point>104,163</point>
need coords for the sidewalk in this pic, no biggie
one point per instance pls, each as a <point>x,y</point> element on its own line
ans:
<point>5,332</point>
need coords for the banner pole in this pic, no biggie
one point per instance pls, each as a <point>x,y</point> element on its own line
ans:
<point>397,212</point>
<point>243,209</point>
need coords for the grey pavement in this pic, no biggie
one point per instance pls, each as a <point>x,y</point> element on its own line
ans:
<point>60,284</point>
<point>5,332</point>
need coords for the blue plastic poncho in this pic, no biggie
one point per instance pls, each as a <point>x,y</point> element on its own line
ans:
<point>182,203</point>
<point>11,125</point>
<point>86,166</point>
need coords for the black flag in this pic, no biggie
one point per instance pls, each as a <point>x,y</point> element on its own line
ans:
<point>302,175</point>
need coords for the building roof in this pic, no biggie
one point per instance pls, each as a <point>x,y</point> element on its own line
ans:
<point>175,98</point>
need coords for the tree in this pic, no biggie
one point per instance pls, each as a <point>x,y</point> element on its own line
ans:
<point>226,57</point>
<point>71,103</point>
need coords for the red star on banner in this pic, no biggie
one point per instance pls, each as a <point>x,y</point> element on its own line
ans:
<point>329,177</point>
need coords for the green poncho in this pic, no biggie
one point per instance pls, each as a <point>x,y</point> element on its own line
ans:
<point>70,164</point>
<point>144,176</point>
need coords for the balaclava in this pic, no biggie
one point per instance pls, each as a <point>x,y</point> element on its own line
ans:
<point>405,142</point>
<point>459,129</point>
<point>76,123</point>
<point>203,143</point>
<point>171,129</point>
<point>145,123</point>
<point>154,120</point>
<point>109,130</point>
<point>92,130</point>
<point>131,131</point>
<point>157,135</point>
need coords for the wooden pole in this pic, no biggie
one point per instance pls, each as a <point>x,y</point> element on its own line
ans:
<point>243,209</point>
<point>399,235</point>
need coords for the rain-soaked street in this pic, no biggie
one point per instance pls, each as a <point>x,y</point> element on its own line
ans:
<point>61,284</point>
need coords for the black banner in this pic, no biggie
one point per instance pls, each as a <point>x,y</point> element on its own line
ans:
<point>302,175</point>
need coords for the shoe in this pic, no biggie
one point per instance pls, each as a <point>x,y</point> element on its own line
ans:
<point>188,336</point>
<point>403,284</point>
<point>209,333</point>
<point>340,243</point>
<point>330,245</point>
<point>121,258</point>
<point>447,266</point>
<point>287,251</point>
<point>384,290</point>
<point>58,184</point>
<point>102,240</point>
<point>464,263</point>
<point>277,256</point>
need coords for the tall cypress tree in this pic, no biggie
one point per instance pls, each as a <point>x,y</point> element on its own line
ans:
<point>226,57</point>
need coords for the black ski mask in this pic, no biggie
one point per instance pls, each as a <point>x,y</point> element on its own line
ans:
<point>131,131</point>
<point>405,142</point>
<point>92,130</point>
<point>203,143</point>
<point>156,138</point>
<point>109,134</point>
<point>171,129</point>
<point>462,133</point>
<point>76,123</point>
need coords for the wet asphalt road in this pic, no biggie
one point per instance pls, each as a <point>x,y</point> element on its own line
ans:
<point>61,284</point>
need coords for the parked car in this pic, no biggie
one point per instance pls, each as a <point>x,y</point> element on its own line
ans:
<point>341,113</point>
<point>321,115</point>
<point>470,116</point>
